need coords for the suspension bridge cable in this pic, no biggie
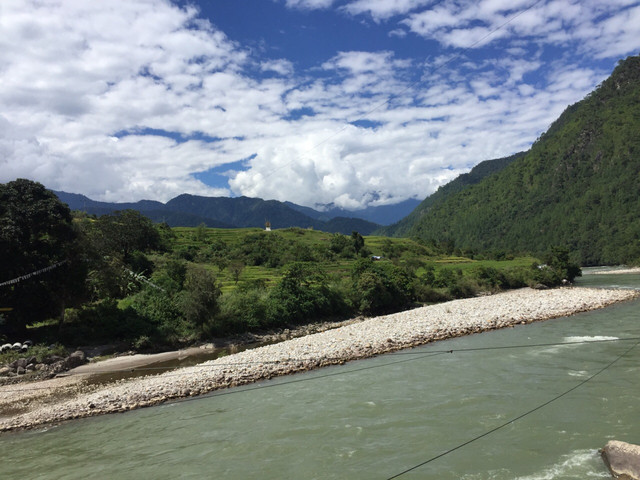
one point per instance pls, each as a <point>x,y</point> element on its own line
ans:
<point>33,274</point>
<point>229,392</point>
<point>416,355</point>
<point>519,417</point>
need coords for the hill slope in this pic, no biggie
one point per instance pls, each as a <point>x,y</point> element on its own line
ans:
<point>476,175</point>
<point>577,186</point>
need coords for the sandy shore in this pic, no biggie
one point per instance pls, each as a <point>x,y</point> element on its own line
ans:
<point>364,339</point>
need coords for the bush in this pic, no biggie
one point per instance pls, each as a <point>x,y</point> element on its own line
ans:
<point>243,310</point>
<point>302,294</point>
<point>198,301</point>
<point>379,286</point>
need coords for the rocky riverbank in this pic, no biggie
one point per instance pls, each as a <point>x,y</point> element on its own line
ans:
<point>363,339</point>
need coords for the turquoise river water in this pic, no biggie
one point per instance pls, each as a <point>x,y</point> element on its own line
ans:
<point>378,418</point>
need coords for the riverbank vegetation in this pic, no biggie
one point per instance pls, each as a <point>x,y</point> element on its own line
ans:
<point>122,278</point>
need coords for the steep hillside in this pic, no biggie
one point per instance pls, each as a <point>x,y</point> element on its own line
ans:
<point>578,186</point>
<point>476,175</point>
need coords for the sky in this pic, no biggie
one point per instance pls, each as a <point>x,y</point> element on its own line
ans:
<point>347,103</point>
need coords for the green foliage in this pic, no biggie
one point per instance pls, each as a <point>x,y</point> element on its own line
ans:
<point>379,286</point>
<point>123,233</point>
<point>577,186</point>
<point>303,294</point>
<point>341,245</point>
<point>102,322</point>
<point>36,232</point>
<point>244,309</point>
<point>198,302</point>
<point>40,351</point>
<point>358,242</point>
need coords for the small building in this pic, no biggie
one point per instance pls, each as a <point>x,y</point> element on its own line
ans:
<point>267,226</point>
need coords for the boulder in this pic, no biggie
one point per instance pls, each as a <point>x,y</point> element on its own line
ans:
<point>20,362</point>
<point>76,359</point>
<point>5,348</point>
<point>5,371</point>
<point>51,359</point>
<point>16,346</point>
<point>622,459</point>
<point>21,371</point>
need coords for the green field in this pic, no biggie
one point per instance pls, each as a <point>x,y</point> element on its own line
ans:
<point>401,251</point>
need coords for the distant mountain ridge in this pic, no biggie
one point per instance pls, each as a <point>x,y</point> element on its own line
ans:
<point>382,214</point>
<point>578,186</point>
<point>222,212</point>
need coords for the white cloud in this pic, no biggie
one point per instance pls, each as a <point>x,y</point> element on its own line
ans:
<point>309,4</point>
<point>280,66</point>
<point>602,29</point>
<point>381,10</point>
<point>125,100</point>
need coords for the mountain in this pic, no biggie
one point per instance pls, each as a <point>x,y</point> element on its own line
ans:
<point>475,175</point>
<point>220,212</point>
<point>578,186</point>
<point>382,215</point>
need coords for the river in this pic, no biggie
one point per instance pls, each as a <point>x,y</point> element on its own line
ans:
<point>378,418</point>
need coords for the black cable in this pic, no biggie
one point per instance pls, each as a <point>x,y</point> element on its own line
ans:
<point>504,347</point>
<point>516,418</point>
<point>429,354</point>
<point>334,359</point>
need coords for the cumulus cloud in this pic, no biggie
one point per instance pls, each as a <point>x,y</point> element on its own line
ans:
<point>604,29</point>
<point>125,100</point>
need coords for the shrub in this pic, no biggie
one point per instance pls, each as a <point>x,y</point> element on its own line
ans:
<point>379,286</point>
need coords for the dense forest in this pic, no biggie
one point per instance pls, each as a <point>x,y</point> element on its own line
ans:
<point>77,279</point>
<point>577,186</point>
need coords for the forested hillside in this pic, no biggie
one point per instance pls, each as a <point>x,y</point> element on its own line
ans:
<point>578,186</point>
<point>476,175</point>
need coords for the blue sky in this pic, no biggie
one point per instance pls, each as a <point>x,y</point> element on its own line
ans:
<point>345,102</point>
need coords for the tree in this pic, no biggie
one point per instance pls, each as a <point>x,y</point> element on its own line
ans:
<point>236,267</point>
<point>358,241</point>
<point>199,299</point>
<point>125,231</point>
<point>200,233</point>
<point>379,286</point>
<point>36,233</point>
<point>302,294</point>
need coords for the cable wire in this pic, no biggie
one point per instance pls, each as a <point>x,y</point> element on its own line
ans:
<point>416,355</point>
<point>519,417</point>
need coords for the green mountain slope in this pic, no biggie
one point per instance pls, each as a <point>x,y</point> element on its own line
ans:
<point>476,175</point>
<point>579,186</point>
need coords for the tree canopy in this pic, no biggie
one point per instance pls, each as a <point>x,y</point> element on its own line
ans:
<point>36,233</point>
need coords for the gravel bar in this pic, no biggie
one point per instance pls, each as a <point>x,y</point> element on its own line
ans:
<point>373,336</point>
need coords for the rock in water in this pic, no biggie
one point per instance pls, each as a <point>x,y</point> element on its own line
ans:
<point>623,459</point>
